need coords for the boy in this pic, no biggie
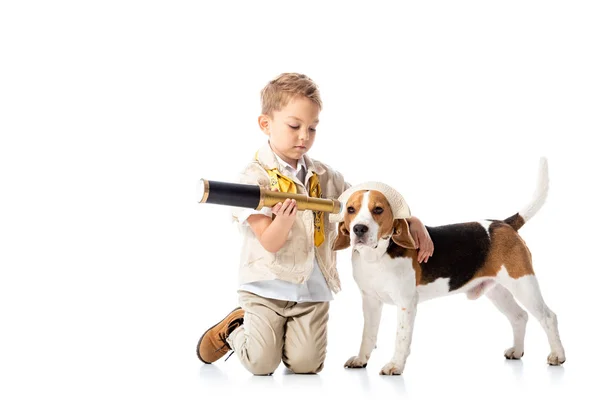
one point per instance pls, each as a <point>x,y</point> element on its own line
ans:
<point>288,268</point>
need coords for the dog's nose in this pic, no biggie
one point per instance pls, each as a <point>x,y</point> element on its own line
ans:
<point>360,229</point>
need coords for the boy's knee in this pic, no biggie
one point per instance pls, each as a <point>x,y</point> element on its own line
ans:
<point>263,363</point>
<point>305,361</point>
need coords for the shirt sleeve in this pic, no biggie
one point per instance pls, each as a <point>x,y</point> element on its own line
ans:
<point>254,174</point>
<point>244,213</point>
<point>340,183</point>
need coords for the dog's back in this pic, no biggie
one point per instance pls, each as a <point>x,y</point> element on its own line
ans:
<point>466,253</point>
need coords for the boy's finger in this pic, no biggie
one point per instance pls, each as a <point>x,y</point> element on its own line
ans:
<point>416,239</point>
<point>291,206</point>
<point>286,204</point>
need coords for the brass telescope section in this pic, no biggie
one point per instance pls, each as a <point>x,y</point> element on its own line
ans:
<point>206,187</point>
<point>269,198</point>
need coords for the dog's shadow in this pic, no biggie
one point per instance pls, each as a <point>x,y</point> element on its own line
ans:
<point>394,383</point>
<point>516,367</point>
<point>555,373</point>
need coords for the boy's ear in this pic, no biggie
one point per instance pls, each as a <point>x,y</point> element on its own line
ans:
<point>263,123</point>
<point>342,240</point>
<point>401,235</point>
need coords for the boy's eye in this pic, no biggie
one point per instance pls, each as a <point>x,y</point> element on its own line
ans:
<point>313,129</point>
<point>294,127</point>
<point>377,210</point>
<point>351,210</point>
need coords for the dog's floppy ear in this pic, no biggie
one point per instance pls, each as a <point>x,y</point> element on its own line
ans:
<point>401,235</point>
<point>342,240</point>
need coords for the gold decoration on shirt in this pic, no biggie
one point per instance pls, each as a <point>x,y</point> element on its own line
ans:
<point>286,185</point>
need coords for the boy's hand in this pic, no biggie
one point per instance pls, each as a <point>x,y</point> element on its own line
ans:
<point>286,212</point>
<point>421,238</point>
<point>273,233</point>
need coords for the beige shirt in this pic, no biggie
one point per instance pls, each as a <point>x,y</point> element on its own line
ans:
<point>294,262</point>
<point>315,288</point>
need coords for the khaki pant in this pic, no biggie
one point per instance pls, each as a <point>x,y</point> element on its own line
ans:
<point>279,330</point>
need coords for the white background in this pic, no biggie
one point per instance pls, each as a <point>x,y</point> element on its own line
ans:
<point>111,111</point>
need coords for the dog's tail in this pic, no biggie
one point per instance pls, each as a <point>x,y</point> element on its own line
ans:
<point>539,197</point>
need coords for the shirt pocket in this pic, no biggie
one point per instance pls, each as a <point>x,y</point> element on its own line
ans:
<point>290,257</point>
<point>255,254</point>
<point>285,259</point>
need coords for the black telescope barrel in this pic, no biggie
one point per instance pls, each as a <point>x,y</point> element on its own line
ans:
<point>233,194</point>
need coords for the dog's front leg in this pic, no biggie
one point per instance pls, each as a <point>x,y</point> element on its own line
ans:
<point>407,308</point>
<point>372,317</point>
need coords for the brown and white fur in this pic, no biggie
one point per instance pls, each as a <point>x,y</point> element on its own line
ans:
<point>487,257</point>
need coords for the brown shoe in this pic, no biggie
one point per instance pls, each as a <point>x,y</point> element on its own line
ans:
<point>213,344</point>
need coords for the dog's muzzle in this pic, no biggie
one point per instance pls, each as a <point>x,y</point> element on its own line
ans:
<point>360,230</point>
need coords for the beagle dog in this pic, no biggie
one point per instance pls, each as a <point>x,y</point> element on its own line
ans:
<point>486,257</point>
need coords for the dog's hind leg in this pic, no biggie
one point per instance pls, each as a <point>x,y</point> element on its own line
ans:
<point>505,302</point>
<point>479,290</point>
<point>527,291</point>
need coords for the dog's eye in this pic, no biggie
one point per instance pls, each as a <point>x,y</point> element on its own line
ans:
<point>351,210</point>
<point>377,210</point>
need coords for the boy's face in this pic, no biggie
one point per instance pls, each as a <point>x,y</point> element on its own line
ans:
<point>292,129</point>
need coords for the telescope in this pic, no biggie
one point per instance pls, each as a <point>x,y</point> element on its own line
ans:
<point>257,197</point>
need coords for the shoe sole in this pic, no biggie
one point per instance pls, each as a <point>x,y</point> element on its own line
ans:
<point>202,337</point>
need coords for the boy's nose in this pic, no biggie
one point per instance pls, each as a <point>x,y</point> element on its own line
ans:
<point>303,135</point>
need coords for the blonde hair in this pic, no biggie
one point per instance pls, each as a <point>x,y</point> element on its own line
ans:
<point>277,93</point>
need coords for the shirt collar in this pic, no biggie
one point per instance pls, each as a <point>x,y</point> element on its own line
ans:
<point>301,164</point>
<point>268,158</point>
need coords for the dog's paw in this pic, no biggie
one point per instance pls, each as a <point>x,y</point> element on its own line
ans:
<point>392,369</point>
<point>513,354</point>
<point>356,362</point>
<point>556,359</point>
